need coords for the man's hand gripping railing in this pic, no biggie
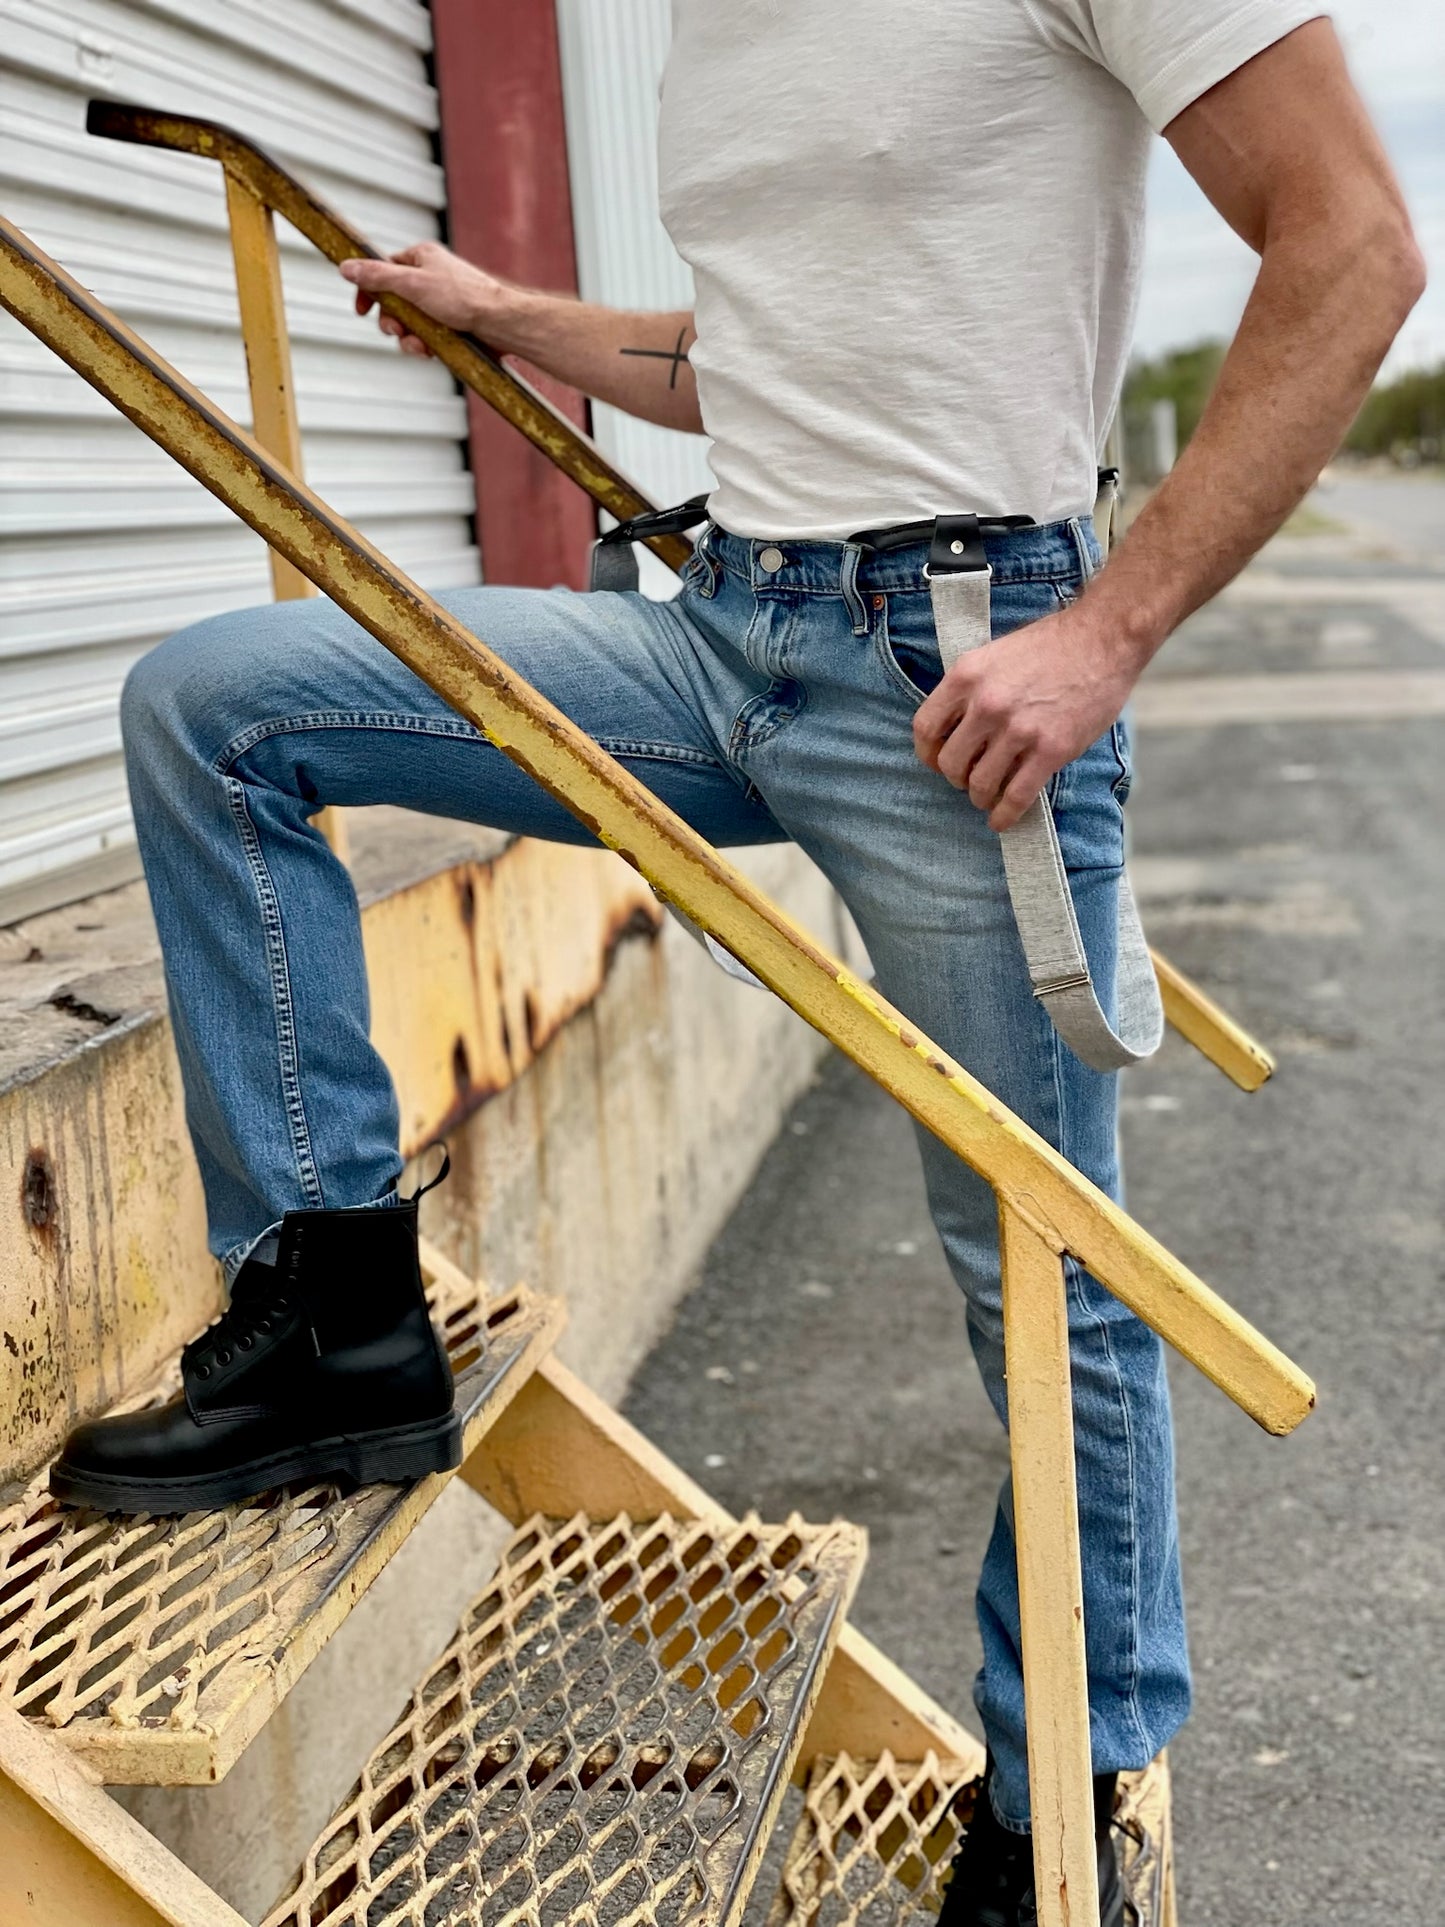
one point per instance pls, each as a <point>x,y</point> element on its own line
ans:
<point>471,361</point>
<point>1194,1015</point>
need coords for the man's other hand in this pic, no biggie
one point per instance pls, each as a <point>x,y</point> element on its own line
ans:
<point>1007,716</point>
<point>438,282</point>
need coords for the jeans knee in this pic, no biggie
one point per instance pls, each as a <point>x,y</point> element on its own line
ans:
<point>185,693</point>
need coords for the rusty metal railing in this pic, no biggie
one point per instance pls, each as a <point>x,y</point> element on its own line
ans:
<point>1047,1210</point>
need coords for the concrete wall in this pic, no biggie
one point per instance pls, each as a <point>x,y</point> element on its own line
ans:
<point>607,1093</point>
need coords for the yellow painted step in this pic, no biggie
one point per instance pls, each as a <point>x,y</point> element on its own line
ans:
<point>606,1740</point>
<point>876,1838</point>
<point>156,1649</point>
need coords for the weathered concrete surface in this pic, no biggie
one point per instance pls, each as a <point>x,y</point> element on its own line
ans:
<point>1297,870</point>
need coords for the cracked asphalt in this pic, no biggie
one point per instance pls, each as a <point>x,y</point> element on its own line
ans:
<point>1296,868</point>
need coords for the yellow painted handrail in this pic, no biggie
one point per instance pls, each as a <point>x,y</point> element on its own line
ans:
<point>1212,1032</point>
<point>474,364</point>
<point>1040,1188</point>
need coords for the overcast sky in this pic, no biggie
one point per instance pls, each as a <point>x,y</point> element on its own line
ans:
<point>1198,275</point>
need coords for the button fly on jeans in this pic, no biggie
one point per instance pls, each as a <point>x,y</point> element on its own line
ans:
<point>772,560</point>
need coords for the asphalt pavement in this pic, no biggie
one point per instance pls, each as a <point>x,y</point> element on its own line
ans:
<point>1295,866</point>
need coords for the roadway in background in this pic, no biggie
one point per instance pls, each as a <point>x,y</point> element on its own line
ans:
<point>1295,864</point>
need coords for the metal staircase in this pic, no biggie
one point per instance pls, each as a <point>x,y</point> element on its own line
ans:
<point>607,1738</point>
<point>610,1734</point>
<point>156,1649</point>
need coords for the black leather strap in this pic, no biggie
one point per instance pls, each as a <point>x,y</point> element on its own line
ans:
<point>674,521</point>
<point>942,533</point>
<point>614,565</point>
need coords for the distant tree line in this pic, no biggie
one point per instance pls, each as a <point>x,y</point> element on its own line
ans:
<point>1403,418</point>
<point>1186,377</point>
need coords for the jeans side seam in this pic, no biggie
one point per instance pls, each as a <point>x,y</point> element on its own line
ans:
<point>232,751</point>
<point>282,1001</point>
<point>461,730</point>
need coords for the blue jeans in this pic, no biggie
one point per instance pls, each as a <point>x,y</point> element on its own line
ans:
<point>761,706</point>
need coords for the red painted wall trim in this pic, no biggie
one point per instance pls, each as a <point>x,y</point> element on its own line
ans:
<point>504,149</point>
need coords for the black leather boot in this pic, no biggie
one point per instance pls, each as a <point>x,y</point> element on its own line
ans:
<point>992,1883</point>
<point>325,1365</point>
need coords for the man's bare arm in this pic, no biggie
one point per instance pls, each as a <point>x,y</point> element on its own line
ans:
<point>1285,150</point>
<point>637,362</point>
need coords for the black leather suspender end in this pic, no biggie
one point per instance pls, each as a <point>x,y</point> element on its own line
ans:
<point>956,541</point>
<point>614,562</point>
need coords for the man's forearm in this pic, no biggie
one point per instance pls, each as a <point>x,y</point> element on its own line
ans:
<point>1319,322</point>
<point>637,362</point>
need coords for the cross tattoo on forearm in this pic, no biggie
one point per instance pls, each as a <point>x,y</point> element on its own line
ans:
<point>677,356</point>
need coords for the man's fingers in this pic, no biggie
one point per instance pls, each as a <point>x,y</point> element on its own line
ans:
<point>991,769</point>
<point>381,277</point>
<point>938,717</point>
<point>964,747</point>
<point>371,278</point>
<point>1023,786</point>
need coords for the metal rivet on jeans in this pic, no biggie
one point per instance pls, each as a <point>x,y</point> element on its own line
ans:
<point>772,560</point>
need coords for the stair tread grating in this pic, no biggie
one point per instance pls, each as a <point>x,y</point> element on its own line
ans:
<point>876,1838</point>
<point>606,1740</point>
<point>157,1647</point>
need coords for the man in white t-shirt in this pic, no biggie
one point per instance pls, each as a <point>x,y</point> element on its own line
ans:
<point>915,229</point>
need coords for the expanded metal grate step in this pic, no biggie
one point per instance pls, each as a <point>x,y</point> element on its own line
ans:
<point>875,1841</point>
<point>606,1741</point>
<point>157,1648</point>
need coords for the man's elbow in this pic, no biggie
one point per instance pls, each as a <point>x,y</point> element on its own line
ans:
<point>1392,268</point>
<point>1413,273</point>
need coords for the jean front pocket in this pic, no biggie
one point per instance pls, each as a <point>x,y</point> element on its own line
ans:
<point>907,645</point>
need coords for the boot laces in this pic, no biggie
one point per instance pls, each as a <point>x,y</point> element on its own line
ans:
<point>260,1301</point>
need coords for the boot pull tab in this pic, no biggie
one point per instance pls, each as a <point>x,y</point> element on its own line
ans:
<point>446,1165</point>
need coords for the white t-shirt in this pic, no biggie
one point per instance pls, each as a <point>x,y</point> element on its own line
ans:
<point>915,228</point>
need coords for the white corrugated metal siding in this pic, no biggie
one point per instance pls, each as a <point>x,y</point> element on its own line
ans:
<point>612,59</point>
<point>105,545</point>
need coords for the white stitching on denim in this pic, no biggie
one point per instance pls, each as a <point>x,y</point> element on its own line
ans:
<point>660,752</point>
<point>460,730</point>
<point>236,748</point>
<point>281,998</point>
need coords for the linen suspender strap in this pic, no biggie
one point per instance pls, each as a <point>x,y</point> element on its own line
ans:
<point>960,579</point>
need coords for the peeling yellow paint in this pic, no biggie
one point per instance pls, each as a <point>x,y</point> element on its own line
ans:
<point>508,952</point>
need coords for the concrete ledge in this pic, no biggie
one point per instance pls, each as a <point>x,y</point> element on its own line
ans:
<point>605,1089</point>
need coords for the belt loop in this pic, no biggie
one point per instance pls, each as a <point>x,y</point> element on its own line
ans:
<point>707,586</point>
<point>848,587</point>
<point>1087,565</point>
